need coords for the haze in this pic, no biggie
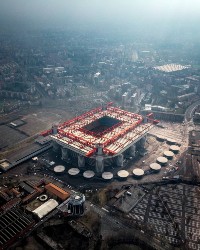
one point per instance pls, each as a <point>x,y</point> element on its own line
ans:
<point>145,15</point>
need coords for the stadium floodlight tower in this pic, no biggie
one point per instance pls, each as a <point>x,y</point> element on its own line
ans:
<point>101,137</point>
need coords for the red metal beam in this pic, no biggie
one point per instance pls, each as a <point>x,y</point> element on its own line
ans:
<point>108,151</point>
<point>115,137</point>
<point>75,138</point>
<point>124,112</point>
<point>91,152</point>
<point>83,116</point>
<point>46,132</point>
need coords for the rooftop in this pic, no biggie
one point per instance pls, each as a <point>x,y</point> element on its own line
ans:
<point>14,223</point>
<point>171,67</point>
<point>62,194</point>
<point>4,164</point>
<point>45,208</point>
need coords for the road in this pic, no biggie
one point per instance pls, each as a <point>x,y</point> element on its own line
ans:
<point>190,110</point>
<point>117,224</point>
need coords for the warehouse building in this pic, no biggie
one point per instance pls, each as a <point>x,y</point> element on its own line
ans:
<point>56,192</point>
<point>45,208</point>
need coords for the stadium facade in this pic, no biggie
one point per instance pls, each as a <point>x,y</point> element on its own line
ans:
<point>101,137</point>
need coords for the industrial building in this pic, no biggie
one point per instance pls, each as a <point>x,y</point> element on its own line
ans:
<point>13,224</point>
<point>24,207</point>
<point>76,204</point>
<point>4,165</point>
<point>56,192</point>
<point>101,137</point>
<point>45,208</point>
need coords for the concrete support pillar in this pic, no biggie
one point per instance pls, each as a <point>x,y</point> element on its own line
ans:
<point>145,119</point>
<point>99,164</point>
<point>99,150</point>
<point>142,142</point>
<point>73,210</point>
<point>55,146</point>
<point>64,153</point>
<point>120,160</point>
<point>132,150</point>
<point>81,161</point>
<point>54,129</point>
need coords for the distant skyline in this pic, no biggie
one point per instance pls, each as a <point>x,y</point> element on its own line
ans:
<point>166,16</point>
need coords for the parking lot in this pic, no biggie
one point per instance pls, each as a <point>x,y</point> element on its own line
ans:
<point>173,213</point>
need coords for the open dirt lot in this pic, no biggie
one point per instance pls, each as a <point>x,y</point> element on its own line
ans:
<point>36,120</point>
<point>9,136</point>
<point>43,119</point>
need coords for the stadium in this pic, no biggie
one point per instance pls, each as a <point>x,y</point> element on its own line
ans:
<point>101,137</point>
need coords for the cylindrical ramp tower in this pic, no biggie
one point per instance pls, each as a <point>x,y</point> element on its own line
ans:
<point>54,129</point>
<point>132,150</point>
<point>64,153</point>
<point>142,142</point>
<point>55,146</point>
<point>76,204</point>
<point>99,149</point>
<point>120,160</point>
<point>99,164</point>
<point>81,161</point>
<point>145,119</point>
